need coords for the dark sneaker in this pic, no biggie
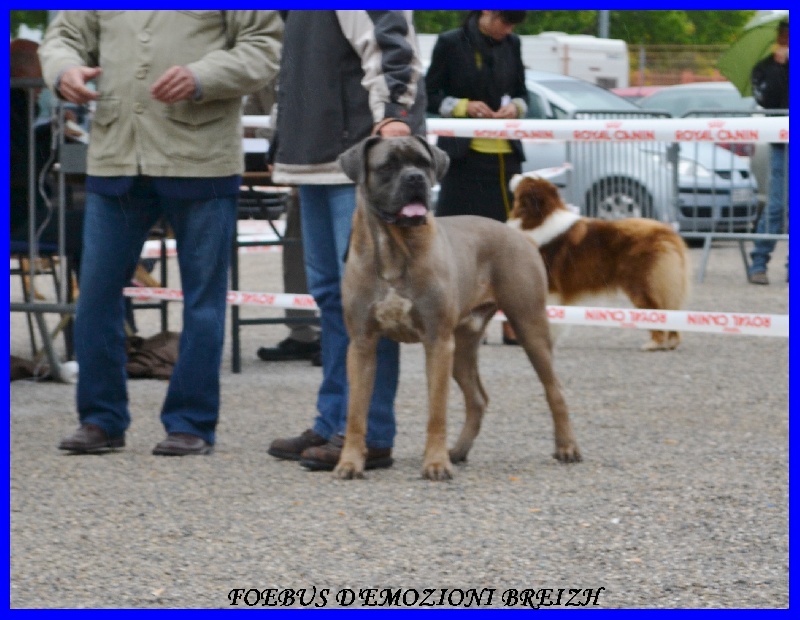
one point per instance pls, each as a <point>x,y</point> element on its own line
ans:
<point>289,349</point>
<point>325,457</point>
<point>291,447</point>
<point>316,359</point>
<point>759,277</point>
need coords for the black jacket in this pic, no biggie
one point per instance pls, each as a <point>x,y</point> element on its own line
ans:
<point>465,64</point>
<point>770,81</point>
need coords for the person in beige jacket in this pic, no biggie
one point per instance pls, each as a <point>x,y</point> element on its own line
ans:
<point>165,140</point>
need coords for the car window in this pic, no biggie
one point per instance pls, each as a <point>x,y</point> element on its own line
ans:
<point>678,103</point>
<point>585,96</point>
<point>536,106</point>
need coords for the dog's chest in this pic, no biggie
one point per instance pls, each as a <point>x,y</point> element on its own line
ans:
<point>393,314</point>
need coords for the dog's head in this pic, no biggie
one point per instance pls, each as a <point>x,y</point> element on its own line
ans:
<point>535,200</point>
<point>396,176</point>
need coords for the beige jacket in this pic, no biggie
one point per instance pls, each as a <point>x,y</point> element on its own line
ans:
<point>231,53</point>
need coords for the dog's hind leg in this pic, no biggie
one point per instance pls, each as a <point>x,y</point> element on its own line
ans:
<point>533,334</point>
<point>465,372</point>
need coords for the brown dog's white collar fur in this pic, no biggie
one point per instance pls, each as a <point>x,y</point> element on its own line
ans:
<point>555,225</point>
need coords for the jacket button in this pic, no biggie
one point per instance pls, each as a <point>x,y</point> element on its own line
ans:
<point>138,108</point>
<point>144,37</point>
<point>141,73</point>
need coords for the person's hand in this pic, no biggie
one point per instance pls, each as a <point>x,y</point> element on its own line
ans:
<point>176,84</point>
<point>478,109</point>
<point>507,111</point>
<point>392,129</point>
<point>72,85</point>
<point>781,54</point>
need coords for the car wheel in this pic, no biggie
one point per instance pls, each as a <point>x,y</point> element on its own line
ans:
<point>616,199</point>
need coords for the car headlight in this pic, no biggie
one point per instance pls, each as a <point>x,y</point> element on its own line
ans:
<point>690,168</point>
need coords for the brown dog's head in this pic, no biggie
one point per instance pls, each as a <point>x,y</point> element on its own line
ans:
<point>535,200</point>
<point>395,176</point>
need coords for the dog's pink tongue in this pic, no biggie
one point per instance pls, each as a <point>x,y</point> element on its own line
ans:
<point>415,209</point>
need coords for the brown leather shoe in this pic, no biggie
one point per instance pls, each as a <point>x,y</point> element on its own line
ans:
<point>90,438</point>
<point>182,444</point>
<point>291,447</point>
<point>325,457</point>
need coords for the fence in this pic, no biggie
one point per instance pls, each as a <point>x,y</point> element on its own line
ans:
<point>706,191</point>
<point>664,65</point>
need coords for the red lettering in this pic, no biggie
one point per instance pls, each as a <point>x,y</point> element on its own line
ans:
<point>738,135</point>
<point>639,135</point>
<point>751,321</point>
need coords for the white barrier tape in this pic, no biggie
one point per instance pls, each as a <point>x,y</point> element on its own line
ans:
<point>727,129</point>
<point>734,129</point>
<point>247,230</point>
<point>744,324</point>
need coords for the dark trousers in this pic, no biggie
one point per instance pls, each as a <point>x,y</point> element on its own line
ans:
<point>477,184</point>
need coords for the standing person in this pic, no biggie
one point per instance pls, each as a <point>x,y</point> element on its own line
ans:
<point>476,71</point>
<point>344,75</point>
<point>302,343</point>
<point>770,81</point>
<point>165,140</point>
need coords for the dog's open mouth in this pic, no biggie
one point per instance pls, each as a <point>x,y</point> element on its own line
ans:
<point>412,214</point>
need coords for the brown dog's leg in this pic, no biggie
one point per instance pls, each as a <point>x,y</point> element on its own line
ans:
<point>533,334</point>
<point>361,364</point>
<point>465,372</point>
<point>438,365</point>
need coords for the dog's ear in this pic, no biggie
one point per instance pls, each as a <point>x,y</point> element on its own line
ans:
<point>354,160</point>
<point>441,160</point>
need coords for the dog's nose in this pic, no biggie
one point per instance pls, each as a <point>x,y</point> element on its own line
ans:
<point>414,179</point>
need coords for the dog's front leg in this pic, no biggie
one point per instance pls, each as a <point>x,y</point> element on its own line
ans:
<point>436,464</point>
<point>361,364</point>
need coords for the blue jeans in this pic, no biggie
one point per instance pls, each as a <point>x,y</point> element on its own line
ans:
<point>115,229</point>
<point>326,216</point>
<point>775,211</point>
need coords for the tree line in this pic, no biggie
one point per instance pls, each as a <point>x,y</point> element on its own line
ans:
<point>634,27</point>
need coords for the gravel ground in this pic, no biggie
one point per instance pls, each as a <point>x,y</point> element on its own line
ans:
<point>681,501</point>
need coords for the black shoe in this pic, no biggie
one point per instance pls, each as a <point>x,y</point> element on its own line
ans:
<point>289,349</point>
<point>316,359</point>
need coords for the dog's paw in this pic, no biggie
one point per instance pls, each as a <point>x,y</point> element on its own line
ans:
<point>666,345</point>
<point>438,471</point>
<point>568,454</point>
<point>348,471</point>
<point>458,455</point>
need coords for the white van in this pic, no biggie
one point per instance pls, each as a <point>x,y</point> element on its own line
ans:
<point>600,61</point>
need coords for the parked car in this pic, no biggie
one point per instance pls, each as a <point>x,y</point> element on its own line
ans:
<point>715,188</point>
<point>683,99</point>
<point>634,93</point>
<point>736,211</point>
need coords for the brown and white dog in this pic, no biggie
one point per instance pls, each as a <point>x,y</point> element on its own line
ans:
<point>645,259</point>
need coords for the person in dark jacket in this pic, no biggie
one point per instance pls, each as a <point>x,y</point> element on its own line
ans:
<point>476,71</point>
<point>770,82</point>
<point>344,75</point>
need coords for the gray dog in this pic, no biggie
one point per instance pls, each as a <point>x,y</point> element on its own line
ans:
<point>414,278</point>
